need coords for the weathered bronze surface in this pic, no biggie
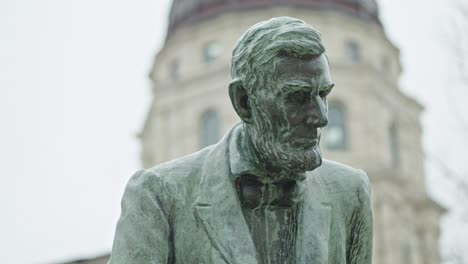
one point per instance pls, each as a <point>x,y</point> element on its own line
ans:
<point>263,194</point>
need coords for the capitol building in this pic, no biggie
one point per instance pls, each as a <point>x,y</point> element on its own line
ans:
<point>372,124</point>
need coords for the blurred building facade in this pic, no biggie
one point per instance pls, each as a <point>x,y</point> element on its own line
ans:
<point>372,125</point>
<point>95,260</point>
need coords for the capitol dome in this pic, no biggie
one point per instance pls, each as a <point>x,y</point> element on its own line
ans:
<point>186,12</point>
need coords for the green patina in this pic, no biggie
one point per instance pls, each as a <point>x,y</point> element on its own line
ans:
<point>263,194</point>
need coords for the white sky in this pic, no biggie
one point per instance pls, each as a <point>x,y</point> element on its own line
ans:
<point>74,93</point>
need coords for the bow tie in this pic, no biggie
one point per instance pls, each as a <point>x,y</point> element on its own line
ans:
<point>254,193</point>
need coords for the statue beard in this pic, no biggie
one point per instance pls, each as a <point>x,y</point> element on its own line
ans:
<point>274,151</point>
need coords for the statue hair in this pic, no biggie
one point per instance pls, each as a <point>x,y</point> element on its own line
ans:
<point>261,48</point>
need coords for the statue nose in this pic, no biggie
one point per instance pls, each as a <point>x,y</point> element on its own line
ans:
<point>317,112</point>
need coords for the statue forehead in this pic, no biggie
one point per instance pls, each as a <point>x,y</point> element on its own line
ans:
<point>312,73</point>
<point>307,67</point>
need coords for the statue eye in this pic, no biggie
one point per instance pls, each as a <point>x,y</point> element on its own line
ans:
<point>298,97</point>
<point>324,93</point>
<point>326,90</point>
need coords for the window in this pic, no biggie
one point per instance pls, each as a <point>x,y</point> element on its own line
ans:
<point>406,254</point>
<point>385,64</point>
<point>210,128</point>
<point>174,69</point>
<point>335,131</point>
<point>212,51</point>
<point>394,144</point>
<point>353,52</point>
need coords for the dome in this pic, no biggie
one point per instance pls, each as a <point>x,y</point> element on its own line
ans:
<point>184,12</point>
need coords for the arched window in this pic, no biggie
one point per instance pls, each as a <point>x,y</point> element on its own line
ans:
<point>353,51</point>
<point>174,69</point>
<point>210,128</point>
<point>212,51</point>
<point>385,64</point>
<point>335,131</point>
<point>406,253</point>
<point>394,144</point>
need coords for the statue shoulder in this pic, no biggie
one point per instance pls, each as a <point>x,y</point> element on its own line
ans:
<point>339,178</point>
<point>182,169</point>
<point>334,171</point>
<point>173,178</point>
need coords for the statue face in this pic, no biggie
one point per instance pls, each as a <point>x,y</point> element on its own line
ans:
<point>289,114</point>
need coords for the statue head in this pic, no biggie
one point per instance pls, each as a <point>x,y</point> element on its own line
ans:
<point>279,87</point>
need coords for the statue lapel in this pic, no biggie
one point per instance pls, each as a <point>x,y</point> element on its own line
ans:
<point>218,210</point>
<point>313,224</point>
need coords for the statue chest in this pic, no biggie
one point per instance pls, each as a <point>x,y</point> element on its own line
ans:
<point>273,230</point>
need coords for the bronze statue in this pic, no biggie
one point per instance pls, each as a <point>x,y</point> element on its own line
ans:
<point>262,194</point>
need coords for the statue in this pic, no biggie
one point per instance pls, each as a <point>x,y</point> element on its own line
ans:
<point>262,194</point>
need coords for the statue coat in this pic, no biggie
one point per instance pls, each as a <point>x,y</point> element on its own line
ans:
<point>187,211</point>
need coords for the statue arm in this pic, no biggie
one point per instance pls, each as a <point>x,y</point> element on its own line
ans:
<point>360,238</point>
<point>143,230</point>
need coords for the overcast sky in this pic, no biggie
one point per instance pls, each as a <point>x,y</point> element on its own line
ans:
<point>74,93</point>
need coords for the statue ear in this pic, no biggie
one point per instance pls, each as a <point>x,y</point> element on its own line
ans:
<point>240,100</point>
